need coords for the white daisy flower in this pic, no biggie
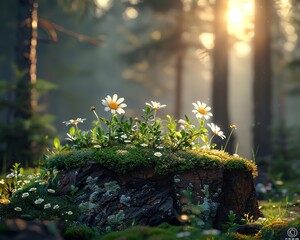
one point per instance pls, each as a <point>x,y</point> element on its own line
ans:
<point>32,189</point>
<point>155,105</point>
<point>51,190</point>
<point>157,154</point>
<point>56,206</point>
<point>25,194</point>
<point>216,130</point>
<point>114,104</point>
<point>74,121</point>
<point>18,209</point>
<point>48,205</point>
<point>201,110</point>
<point>39,201</point>
<point>11,175</point>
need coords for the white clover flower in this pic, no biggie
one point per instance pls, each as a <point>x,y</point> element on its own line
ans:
<point>18,209</point>
<point>48,205</point>
<point>32,189</point>
<point>201,110</point>
<point>144,144</point>
<point>69,212</point>
<point>39,201</point>
<point>56,206</point>
<point>216,130</point>
<point>25,194</point>
<point>114,104</point>
<point>51,190</point>
<point>155,105</point>
<point>74,121</point>
<point>11,175</point>
<point>157,154</point>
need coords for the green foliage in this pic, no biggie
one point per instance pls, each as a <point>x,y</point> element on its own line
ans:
<point>25,132</point>
<point>126,157</point>
<point>231,226</point>
<point>80,233</point>
<point>34,197</point>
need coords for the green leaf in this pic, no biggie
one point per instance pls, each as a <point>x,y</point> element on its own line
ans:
<point>56,143</point>
<point>72,131</point>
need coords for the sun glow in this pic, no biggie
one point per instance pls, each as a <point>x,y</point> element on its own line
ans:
<point>240,18</point>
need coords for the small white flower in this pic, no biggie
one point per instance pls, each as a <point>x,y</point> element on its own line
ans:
<point>2,181</point>
<point>26,181</point>
<point>74,121</point>
<point>155,105</point>
<point>144,145</point>
<point>236,155</point>
<point>42,183</point>
<point>216,130</point>
<point>157,154</point>
<point>48,205</point>
<point>18,209</point>
<point>124,136</point>
<point>114,104</point>
<point>127,141</point>
<point>97,146</point>
<point>51,190</point>
<point>69,212</point>
<point>201,110</point>
<point>183,234</point>
<point>25,194</point>
<point>11,175</point>
<point>19,189</point>
<point>56,206</point>
<point>32,189</point>
<point>160,147</point>
<point>39,201</point>
<point>211,232</point>
<point>20,175</point>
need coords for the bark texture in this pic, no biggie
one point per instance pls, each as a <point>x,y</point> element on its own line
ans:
<point>108,199</point>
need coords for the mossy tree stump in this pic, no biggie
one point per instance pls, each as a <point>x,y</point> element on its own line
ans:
<point>110,199</point>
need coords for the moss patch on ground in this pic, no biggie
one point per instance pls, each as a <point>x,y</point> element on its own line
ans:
<point>126,157</point>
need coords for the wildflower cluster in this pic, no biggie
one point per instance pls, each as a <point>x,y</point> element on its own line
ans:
<point>147,130</point>
<point>32,196</point>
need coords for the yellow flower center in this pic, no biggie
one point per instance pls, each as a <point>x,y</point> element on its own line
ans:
<point>113,105</point>
<point>202,111</point>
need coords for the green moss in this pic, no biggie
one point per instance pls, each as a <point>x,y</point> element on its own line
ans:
<point>124,158</point>
<point>80,233</point>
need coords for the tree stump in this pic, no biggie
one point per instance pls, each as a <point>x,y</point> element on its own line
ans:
<point>114,201</point>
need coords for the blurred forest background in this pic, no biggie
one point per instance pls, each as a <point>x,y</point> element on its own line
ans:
<point>241,57</point>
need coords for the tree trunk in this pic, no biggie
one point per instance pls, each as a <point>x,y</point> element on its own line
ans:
<point>262,80</point>
<point>25,100</point>
<point>220,73</point>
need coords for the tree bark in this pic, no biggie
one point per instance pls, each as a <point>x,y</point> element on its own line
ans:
<point>262,80</point>
<point>220,73</point>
